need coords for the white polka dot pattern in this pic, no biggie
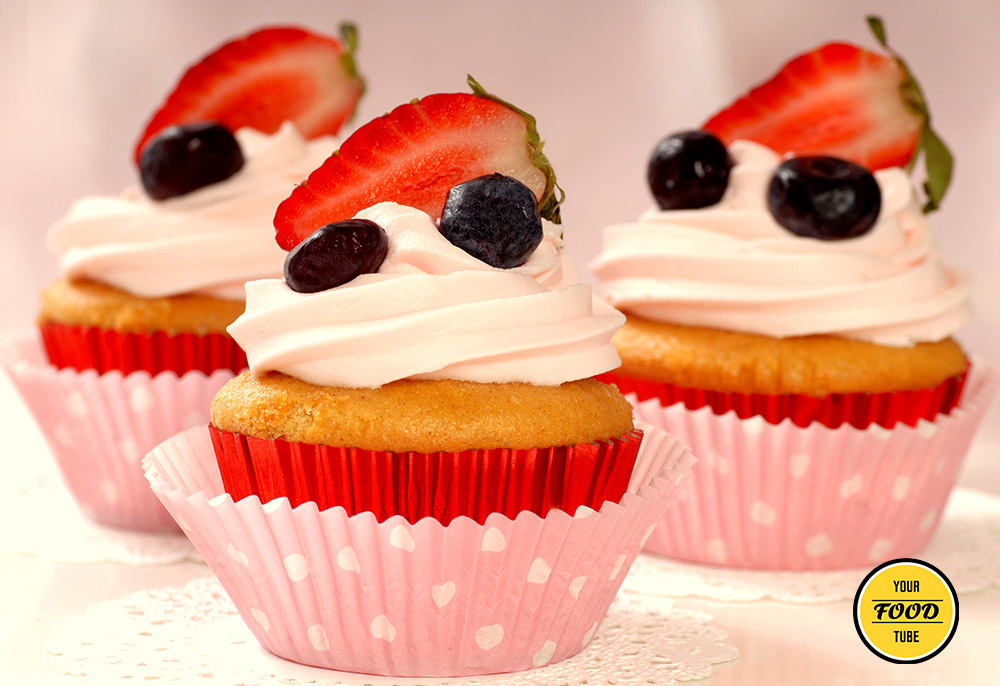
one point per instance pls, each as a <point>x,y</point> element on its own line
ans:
<point>763,514</point>
<point>506,595</point>
<point>317,638</point>
<point>101,426</point>
<point>717,550</point>
<point>812,498</point>
<point>819,545</point>
<point>261,619</point>
<point>141,399</point>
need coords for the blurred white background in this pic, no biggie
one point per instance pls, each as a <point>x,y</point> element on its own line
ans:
<point>605,80</point>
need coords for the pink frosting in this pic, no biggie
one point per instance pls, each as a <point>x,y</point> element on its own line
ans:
<point>433,312</point>
<point>210,241</point>
<point>732,266</point>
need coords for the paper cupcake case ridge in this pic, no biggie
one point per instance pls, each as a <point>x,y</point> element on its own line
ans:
<point>415,599</point>
<point>99,426</point>
<point>780,496</point>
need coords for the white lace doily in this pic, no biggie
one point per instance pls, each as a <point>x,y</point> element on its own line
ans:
<point>192,633</point>
<point>45,522</point>
<point>966,548</point>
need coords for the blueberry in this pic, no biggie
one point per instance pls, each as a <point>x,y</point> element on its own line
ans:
<point>185,158</point>
<point>824,197</point>
<point>689,170</point>
<point>493,218</point>
<point>335,254</point>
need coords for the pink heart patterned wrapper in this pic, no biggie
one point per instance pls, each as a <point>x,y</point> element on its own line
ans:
<point>780,496</point>
<point>400,599</point>
<point>99,426</point>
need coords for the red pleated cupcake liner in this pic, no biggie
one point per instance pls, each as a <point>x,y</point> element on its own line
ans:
<point>859,410</point>
<point>104,350</point>
<point>442,485</point>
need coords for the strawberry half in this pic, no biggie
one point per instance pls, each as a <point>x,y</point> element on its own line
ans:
<point>837,100</point>
<point>270,76</point>
<point>414,155</point>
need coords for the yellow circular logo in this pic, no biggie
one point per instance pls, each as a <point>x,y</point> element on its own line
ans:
<point>906,611</point>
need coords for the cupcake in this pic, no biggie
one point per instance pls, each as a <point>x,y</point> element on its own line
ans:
<point>133,330</point>
<point>790,316</point>
<point>420,410</point>
<point>151,278</point>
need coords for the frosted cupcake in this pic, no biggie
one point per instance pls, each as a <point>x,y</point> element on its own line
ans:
<point>790,315</point>
<point>423,388</point>
<point>134,328</point>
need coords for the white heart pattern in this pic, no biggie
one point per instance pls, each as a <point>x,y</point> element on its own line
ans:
<point>489,637</point>
<point>493,541</point>
<point>317,637</point>
<point>238,556</point>
<point>296,567</point>
<point>539,571</point>
<point>400,538</point>
<point>443,593</point>
<point>543,656</point>
<point>381,628</point>
<point>347,560</point>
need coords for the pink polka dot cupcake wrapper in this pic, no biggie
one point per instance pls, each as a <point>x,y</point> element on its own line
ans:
<point>99,426</point>
<point>779,496</point>
<point>422,599</point>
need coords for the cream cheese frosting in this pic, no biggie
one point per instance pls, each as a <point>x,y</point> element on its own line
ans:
<point>732,266</point>
<point>433,312</point>
<point>210,241</point>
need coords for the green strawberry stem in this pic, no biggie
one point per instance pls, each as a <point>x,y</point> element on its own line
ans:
<point>938,161</point>
<point>349,35</point>
<point>553,195</point>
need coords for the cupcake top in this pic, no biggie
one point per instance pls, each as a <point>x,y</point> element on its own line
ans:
<point>239,129</point>
<point>427,247</point>
<point>209,241</point>
<point>433,311</point>
<point>732,266</point>
<point>789,213</point>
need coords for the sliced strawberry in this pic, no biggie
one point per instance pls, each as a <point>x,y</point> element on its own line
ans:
<point>414,155</point>
<point>270,76</point>
<point>837,100</point>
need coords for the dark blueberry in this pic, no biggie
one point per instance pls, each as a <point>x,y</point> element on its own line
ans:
<point>824,197</point>
<point>689,170</point>
<point>185,158</point>
<point>493,218</point>
<point>335,254</point>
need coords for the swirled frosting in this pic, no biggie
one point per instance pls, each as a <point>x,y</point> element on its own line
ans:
<point>210,241</point>
<point>433,312</point>
<point>732,266</point>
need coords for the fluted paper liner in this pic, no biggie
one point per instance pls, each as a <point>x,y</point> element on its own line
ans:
<point>443,485</point>
<point>104,350</point>
<point>99,426</point>
<point>394,598</point>
<point>860,410</point>
<point>779,496</point>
